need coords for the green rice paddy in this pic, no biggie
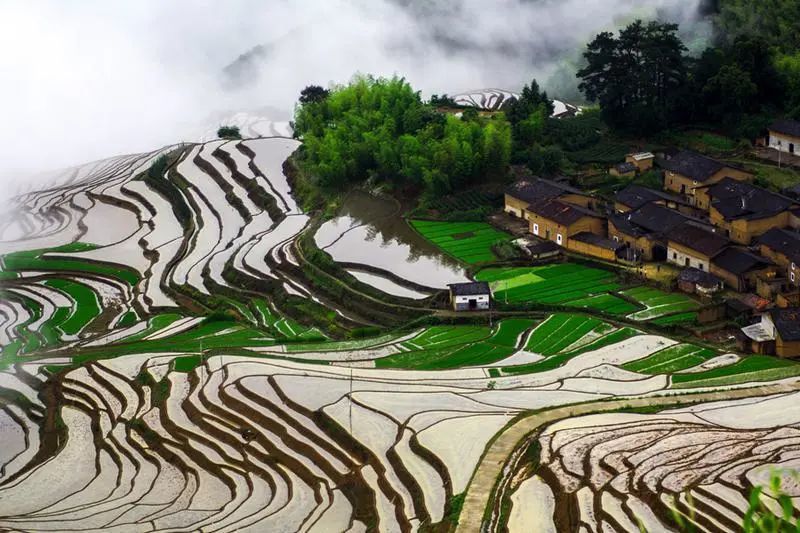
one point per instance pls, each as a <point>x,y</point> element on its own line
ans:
<point>659,303</point>
<point>752,368</point>
<point>551,284</point>
<point>441,347</point>
<point>37,260</point>
<point>673,359</point>
<point>470,242</point>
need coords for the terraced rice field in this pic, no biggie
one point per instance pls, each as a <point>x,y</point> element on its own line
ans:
<point>753,368</point>
<point>659,303</point>
<point>168,364</point>
<point>672,359</point>
<point>552,284</point>
<point>470,242</point>
<point>454,346</point>
<point>625,472</point>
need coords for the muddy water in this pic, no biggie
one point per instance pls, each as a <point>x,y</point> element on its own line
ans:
<point>370,231</point>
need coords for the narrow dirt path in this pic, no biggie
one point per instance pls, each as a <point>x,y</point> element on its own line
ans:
<point>489,469</point>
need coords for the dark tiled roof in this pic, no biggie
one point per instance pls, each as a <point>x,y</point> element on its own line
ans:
<point>624,225</point>
<point>624,168</point>
<point>596,240</point>
<point>635,196</point>
<point>692,165</point>
<point>562,213</point>
<point>539,189</point>
<point>543,247</point>
<point>740,200</point>
<point>738,261</point>
<point>657,218</point>
<point>782,241</point>
<point>793,191</point>
<point>787,127</point>
<point>698,239</point>
<point>787,322</point>
<point>469,289</point>
<point>699,277</point>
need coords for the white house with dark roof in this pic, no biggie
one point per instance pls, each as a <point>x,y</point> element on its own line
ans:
<point>471,296</point>
<point>784,136</point>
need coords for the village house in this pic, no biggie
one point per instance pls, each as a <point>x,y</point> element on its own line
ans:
<point>587,243</point>
<point>740,268</point>
<point>635,196</point>
<point>557,221</point>
<point>783,247</point>
<point>523,192</point>
<point>623,170</point>
<point>784,136</point>
<point>778,333</point>
<point>693,246</point>
<point>642,160</point>
<point>696,281</point>
<point>471,296</point>
<point>543,250</point>
<point>745,211</point>
<point>643,230</point>
<point>686,171</point>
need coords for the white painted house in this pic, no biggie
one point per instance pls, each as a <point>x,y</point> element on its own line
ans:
<point>473,296</point>
<point>784,136</point>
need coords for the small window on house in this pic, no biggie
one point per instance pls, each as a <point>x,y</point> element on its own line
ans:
<point>700,266</point>
<point>536,229</point>
<point>674,255</point>
<point>792,277</point>
<point>559,240</point>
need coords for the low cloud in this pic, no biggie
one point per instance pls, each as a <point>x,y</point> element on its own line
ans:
<point>87,79</point>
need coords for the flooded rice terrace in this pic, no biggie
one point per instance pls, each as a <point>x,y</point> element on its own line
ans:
<point>369,232</point>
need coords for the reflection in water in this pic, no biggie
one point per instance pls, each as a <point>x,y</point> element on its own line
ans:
<point>386,285</point>
<point>370,231</point>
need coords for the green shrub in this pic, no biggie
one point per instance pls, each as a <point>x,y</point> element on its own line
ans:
<point>229,132</point>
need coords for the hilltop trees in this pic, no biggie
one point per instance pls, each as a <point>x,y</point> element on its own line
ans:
<point>380,129</point>
<point>313,94</point>
<point>636,76</point>
<point>528,114</point>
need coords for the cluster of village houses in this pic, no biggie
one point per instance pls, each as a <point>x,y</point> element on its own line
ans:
<point>709,219</point>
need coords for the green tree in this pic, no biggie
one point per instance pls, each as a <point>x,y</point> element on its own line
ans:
<point>381,130</point>
<point>313,94</point>
<point>528,113</point>
<point>636,75</point>
<point>229,132</point>
<point>730,93</point>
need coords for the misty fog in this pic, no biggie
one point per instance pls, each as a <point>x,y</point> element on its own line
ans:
<point>87,79</point>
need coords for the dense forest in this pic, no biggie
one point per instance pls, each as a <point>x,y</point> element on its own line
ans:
<point>381,130</point>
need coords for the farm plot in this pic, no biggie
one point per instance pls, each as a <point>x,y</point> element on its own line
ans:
<point>470,242</point>
<point>552,284</point>
<point>263,443</point>
<point>563,336</point>
<point>753,368</point>
<point>54,259</point>
<point>608,303</point>
<point>624,472</point>
<point>659,303</point>
<point>673,359</point>
<point>443,347</point>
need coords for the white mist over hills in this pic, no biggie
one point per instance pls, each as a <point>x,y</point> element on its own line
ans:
<point>88,79</point>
